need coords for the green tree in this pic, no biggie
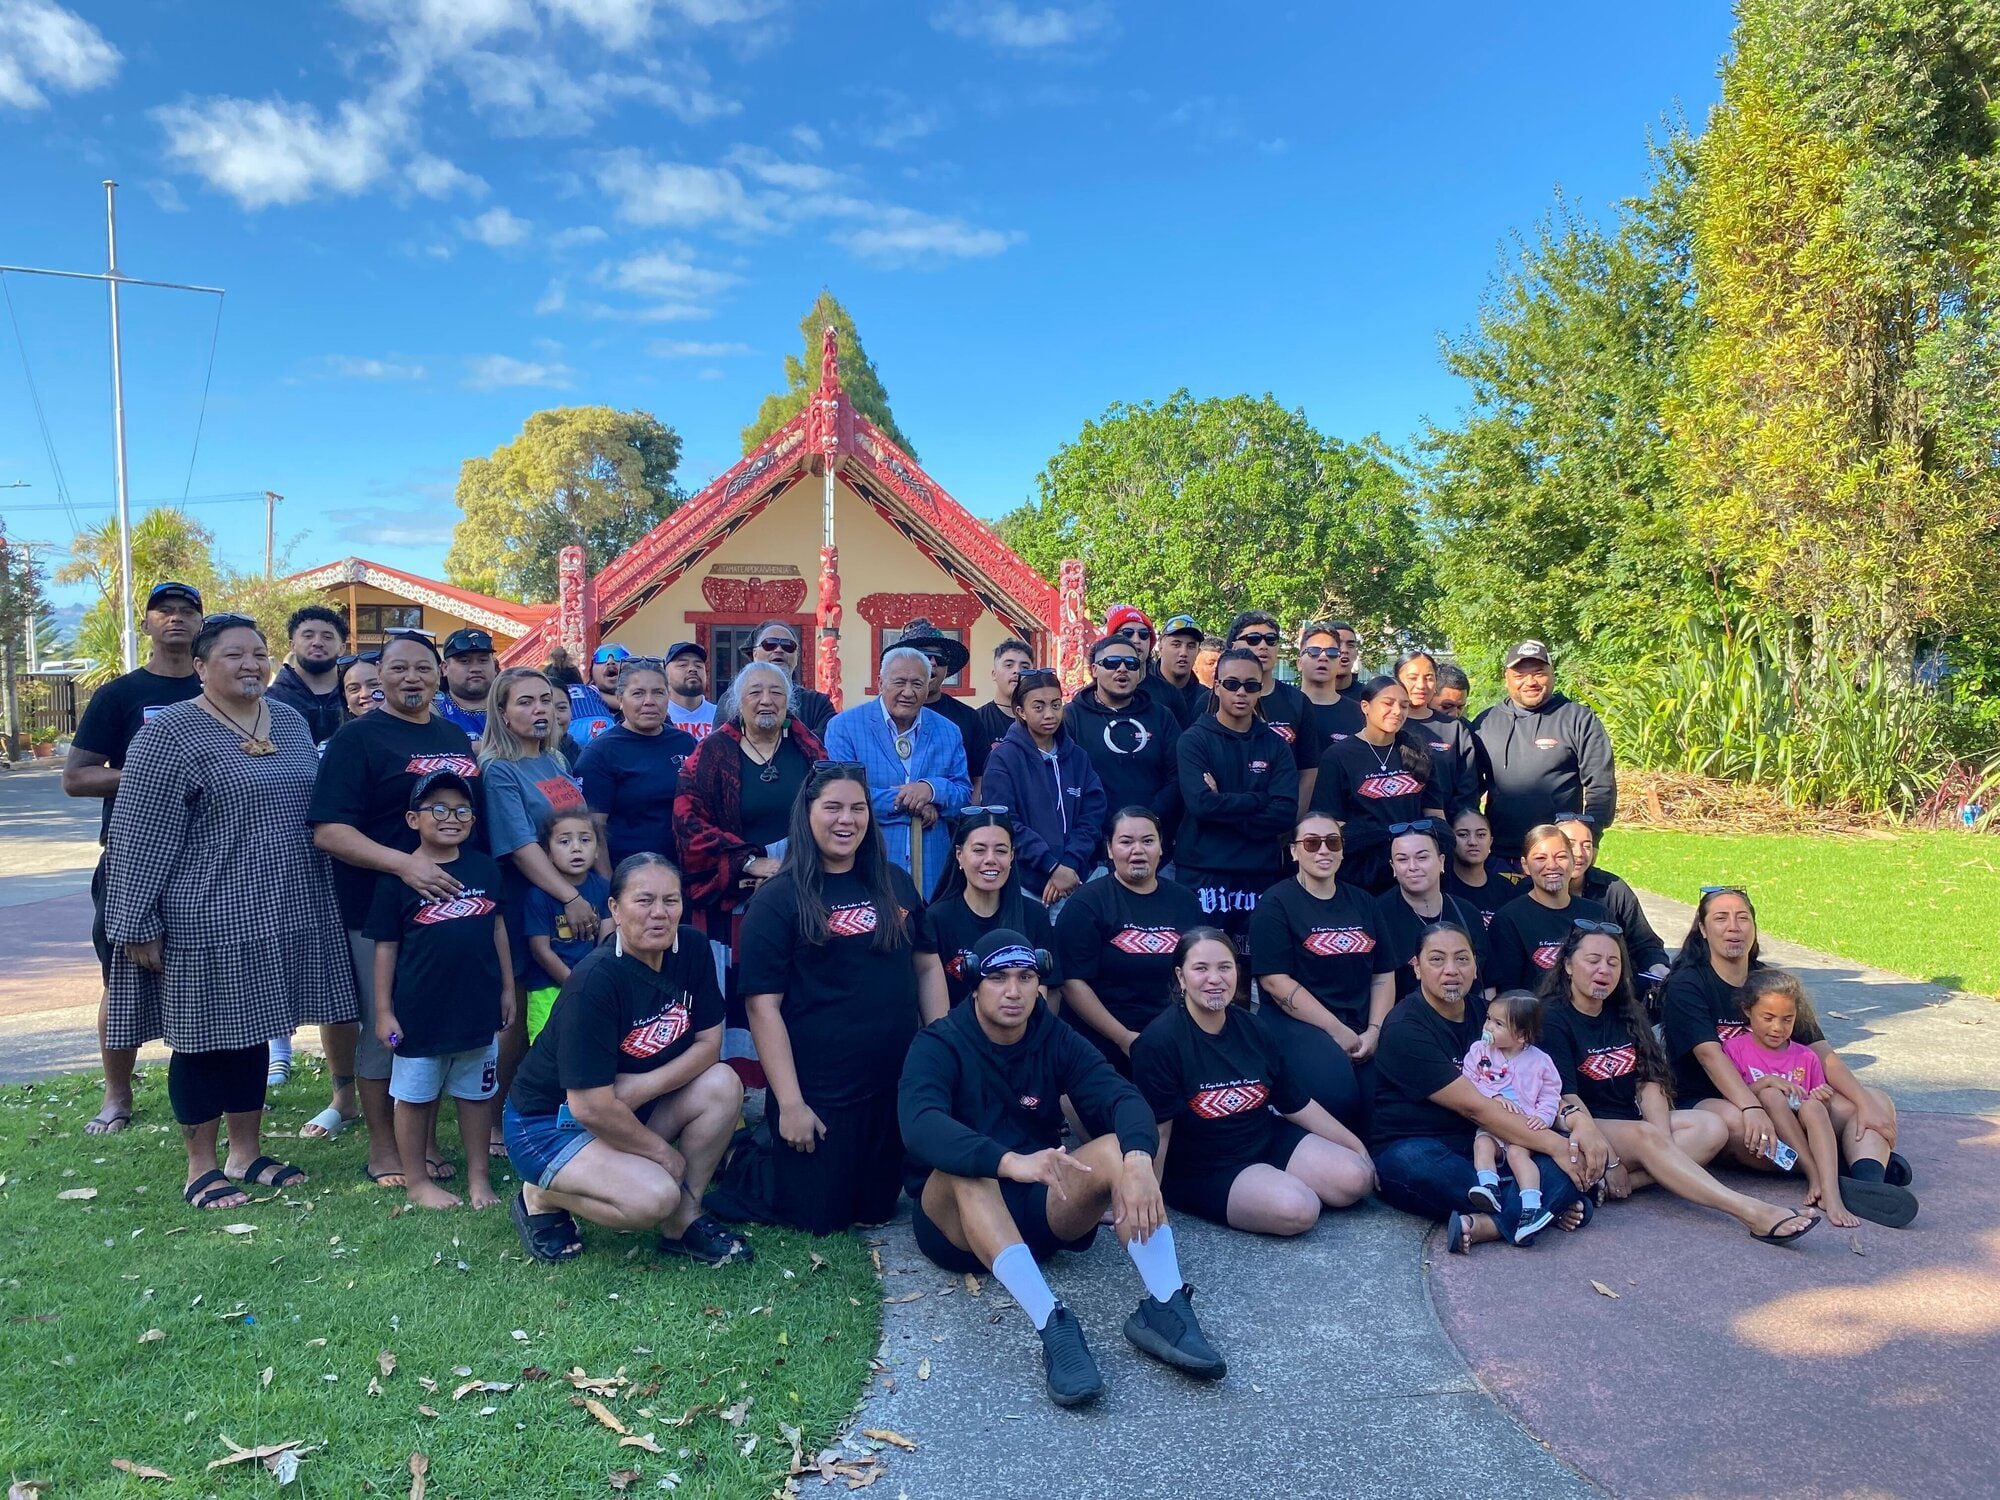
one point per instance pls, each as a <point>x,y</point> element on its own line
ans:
<point>857,375</point>
<point>576,474</point>
<point>1551,498</point>
<point>166,544</point>
<point>1219,505</point>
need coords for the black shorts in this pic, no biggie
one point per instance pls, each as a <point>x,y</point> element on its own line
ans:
<point>98,937</point>
<point>1206,1194</point>
<point>1027,1202</point>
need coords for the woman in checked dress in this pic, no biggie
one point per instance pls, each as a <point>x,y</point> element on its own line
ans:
<point>220,911</point>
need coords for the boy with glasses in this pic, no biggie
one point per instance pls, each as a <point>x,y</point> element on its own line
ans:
<point>1327,649</point>
<point>1280,705</point>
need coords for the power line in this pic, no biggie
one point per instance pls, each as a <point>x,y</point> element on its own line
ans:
<point>41,417</point>
<point>169,501</point>
<point>201,416</point>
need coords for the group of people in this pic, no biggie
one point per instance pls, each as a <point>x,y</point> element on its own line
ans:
<point>1190,940</point>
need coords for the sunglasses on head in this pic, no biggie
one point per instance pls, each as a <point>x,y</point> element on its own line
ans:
<point>1415,825</point>
<point>1258,638</point>
<point>371,657</point>
<point>410,633</point>
<point>226,621</point>
<point>1119,663</point>
<point>1240,684</point>
<point>1313,843</point>
<point>1725,890</point>
<point>966,815</point>
<point>1606,929</point>
<point>778,643</point>
<point>1033,681</point>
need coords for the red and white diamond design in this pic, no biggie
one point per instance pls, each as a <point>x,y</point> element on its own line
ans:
<point>1148,942</point>
<point>658,1034</point>
<point>1230,1099</point>
<point>1729,1030</point>
<point>1286,733</point>
<point>1389,784</point>
<point>1612,1062</point>
<point>956,965</point>
<point>1545,955</point>
<point>851,921</point>
<point>423,765</point>
<point>454,910</point>
<point>1339,942</point>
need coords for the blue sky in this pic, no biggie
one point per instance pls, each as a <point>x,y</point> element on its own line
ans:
<point>433,217</point>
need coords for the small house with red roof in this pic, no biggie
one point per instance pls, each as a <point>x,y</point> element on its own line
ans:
<point>832,527</point>
<point>375,597</point>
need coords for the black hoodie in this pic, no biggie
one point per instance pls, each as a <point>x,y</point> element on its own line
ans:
<point>1134,750</point>
<point>323,711</point>
<point>965,1101</point>
<point>1239,828</point>
<point>1541,762</point>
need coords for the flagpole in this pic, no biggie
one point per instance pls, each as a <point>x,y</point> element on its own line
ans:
<point>127,635</point>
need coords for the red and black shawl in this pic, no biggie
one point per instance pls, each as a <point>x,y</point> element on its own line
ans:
<point>708,813</point>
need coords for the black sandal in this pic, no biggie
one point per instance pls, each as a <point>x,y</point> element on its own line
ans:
<point>205,1191</point>
<point>1879,1202</point>
<point>548,1237</point>
<point>1458,1234</point>
<point>706,1241</point>
<point>268,1171</point>
<point>1774,1238</point>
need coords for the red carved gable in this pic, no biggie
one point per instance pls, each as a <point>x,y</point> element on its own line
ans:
<point>753,596</point>
<point>894,611</point>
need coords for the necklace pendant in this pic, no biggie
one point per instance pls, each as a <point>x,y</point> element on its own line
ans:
<point>905,747</point>
<point>258,745</point>
<point>770,771</point>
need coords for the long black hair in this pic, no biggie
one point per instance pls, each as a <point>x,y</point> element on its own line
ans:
<point>1694,952</point>
<point>1013,907</point>
<point>1555,987</point>
<point>1415,758</point>
<point>871,864</point>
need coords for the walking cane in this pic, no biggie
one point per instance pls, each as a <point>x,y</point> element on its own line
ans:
<point>917,854</point>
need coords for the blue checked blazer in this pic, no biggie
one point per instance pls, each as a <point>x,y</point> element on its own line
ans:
<point>863,734</point>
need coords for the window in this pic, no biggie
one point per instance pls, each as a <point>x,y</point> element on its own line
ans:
<point>374,619</point>
<point>729,648</point>
<point>894,633</point>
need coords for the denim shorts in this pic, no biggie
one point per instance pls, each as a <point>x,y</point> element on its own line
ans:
<point>473,1076</point>
<point>539,1146</point>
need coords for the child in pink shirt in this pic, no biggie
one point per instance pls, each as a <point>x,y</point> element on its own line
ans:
<point>1505,1064</point>
<point>1790,1083</point>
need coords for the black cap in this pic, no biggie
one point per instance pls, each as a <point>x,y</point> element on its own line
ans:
<point>463,642</point>
<point>173,590</point>
<point>430,781</point>
<point>1522,651</point>
<point>686,648</point>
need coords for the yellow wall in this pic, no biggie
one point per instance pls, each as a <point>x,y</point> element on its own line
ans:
<point>344,597</point>
<point>874,558</point>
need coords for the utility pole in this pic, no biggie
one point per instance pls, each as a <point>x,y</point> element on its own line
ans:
<point>271,499</point>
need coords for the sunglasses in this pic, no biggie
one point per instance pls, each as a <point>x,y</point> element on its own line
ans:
<point>1314,843</point>
<point>778,643</point>
<point>344,662</point>
<point>1258,638</point>
<point>1606,929</point>
<point>1240,684</point>
<point>445,813</point>
<point>991,810</point>
<point>1119,663</point>
<point>1725,890</point>
<point>605,654</point>
<point>226,622</point>
<point>1136,633</point>
<point>1588,820</point>
<point>841,770</point>
<point>410,633</point>
<point>1416,825</point>
<point>1318,653</point>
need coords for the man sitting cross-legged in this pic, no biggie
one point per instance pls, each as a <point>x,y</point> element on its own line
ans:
<point>980,1108</point>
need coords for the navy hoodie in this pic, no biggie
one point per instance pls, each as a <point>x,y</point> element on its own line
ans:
<point>1135,751</point>
<point>1540,762</point>
<point>1047,833</point>
<point>1240,828</point>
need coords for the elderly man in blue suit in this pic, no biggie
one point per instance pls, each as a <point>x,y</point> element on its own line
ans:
<point>915,759</point>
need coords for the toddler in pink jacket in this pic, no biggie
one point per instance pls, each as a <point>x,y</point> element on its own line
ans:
<point>1505,1064</point>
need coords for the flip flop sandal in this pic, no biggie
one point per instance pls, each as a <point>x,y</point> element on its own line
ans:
<point>268,1171</point>
<point>1898,1172</point>
<point>1879,1202</point>
<point>1458,1234</point>
<point>548,1237</point>
<point>496,1150</point>
<point>280,1074</point>
<point>1812,1222</point>
<point>108,1122</point>
<point>207,1190</point>
<point>706,1241</point>
<point>440,1169</point>
<point>393,1179</point>
<point>330,1123</point>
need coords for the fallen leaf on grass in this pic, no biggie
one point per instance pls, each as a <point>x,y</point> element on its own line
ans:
<point>420,1467</point>
<point>603,1414</point>
<point>76,1195</point>
<point>141,1471</point>
<point>374,1386</point>
<point>427,1383</point>
<point>284,1466</point>
<point>534,1372</point>
<point>888,1435</point>
<point>498,1387</point>
<point>623,1480</point>
<point>427,1411</point>
<point>315,1343</point>
<point>264,1376</point>
<point>239,1228</point>
<point>923,1369</point>
<point>818,1261</point>
<point>240,1455</point>
<point>598,1385</point>
<point>1603,1291</point>
<point>26,1489</point>
<point>386,1363</point>
<point>152,1335</point>
<point>641,1440</point>
<point>735,1414</point>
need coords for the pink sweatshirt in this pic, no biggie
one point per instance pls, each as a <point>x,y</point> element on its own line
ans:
<point>1528,1078</point>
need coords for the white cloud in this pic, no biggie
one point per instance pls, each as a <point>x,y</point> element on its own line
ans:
<point>373,369</point>
<point>774,171</point>
<point>662,312</point>
<point>648,192</point>
<point>807,138</point>
<point>687,100</point>
<point>668,275</point>
<point>490,372</point>
<point>527,94</point>
<point>722,12</point>
<point>45,46</point>
<point>498,228</point>
<point>270,151</point>
<point>426,31</point>
<point>902,128</point>
<point>434,177</point>
<point>619,24</point>
<point>582,234</point>
<point>401,525</point>
<point>903,236</point>
<point>554,300</point>
<point>693,349</point>
<point>1002,23</point>
<point>165,195</point>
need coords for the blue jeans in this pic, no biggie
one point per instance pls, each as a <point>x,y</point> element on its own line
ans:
<point>1430,1178</point>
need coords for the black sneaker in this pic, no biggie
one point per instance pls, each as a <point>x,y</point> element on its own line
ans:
<point>708,1242</point>
<point>1072,1373</point>
<point>1484,1199</point>
<point>1168,1331</point>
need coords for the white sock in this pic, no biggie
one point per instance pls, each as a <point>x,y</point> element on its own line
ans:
<point>281,1049</point>
<point>1531,1200</point>
<point>1158,1266</point>
<point>1489,1178</point>
<point>1015,1269</point>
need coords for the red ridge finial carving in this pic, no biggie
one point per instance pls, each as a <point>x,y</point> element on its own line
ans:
<point>829,360</point>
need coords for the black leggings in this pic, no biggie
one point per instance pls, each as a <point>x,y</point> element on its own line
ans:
<point>201,1086</point>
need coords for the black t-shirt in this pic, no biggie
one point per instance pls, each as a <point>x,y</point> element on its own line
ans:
<point>952,931</point>
<point>447,996</point>
<point>765,807</point>
<point>971,730</point>
<point>1336,720</point>
<point>849,1009</point>
<point>617,1015</point>
<point>1402,929</point>
<point>1487,899</point>
<point>1289,711</point>
<point>1332,946</point>
<point>1420,1053</point>
<point>994,722</point>
<point>1216,1091</point>
<point>1527,936</point>
<point>1122,944</point>
<point>119,710</point>
<point>1698,1005</point>
<point>1368,788</point>
<point>631,778</point>
<point>365,778</point>
<point>1596,1056</point>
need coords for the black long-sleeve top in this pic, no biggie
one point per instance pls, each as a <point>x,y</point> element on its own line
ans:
<point>1541,762</point>
<point>1240,827</point>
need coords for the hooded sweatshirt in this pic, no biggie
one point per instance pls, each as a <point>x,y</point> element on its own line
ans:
<point>1134,750</point>
<point>323,711</point>
<point>1540,762</point>
<point>1239,828</point>
<point>965,1101</point>
<point>1049,829</point>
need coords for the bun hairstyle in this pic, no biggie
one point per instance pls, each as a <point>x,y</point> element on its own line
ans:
<point>1416,760</point>
<point>214,627</point>
<point>1540,833</point>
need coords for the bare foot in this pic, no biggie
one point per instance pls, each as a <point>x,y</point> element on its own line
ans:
<point>1571,1218</point>
<point>496,1147</point>
<point>430,1195</point>
<point>1837,1214</point>
<point>482,1195</point>
<point>114,1117</point>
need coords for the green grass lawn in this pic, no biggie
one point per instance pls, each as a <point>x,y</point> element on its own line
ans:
<point>1925,904</point>
<point>279,1333</point>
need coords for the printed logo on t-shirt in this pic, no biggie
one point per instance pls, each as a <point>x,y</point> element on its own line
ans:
<point>1612,1062</point>
<point>423,765</point>
<point>593,727</point>
<point>561,792</point>
<point>1147,942</point>
<point>146,713</point>
<point>651,1038</point>
<point>1285,732</point>
<point>1728,1031</point>
<point>1229,1099</point>
<point>957,964</point>
<point>1546,954</point>
<point>1215,898</point>
<point>1548,744</point>
<point>1389,784</point>
<point>464,904</point>
<point>1338,942</point>
<point>1030,1101</point>
<point>851,921</point>
<point>1441,746</point>
<point>1259,767</point>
